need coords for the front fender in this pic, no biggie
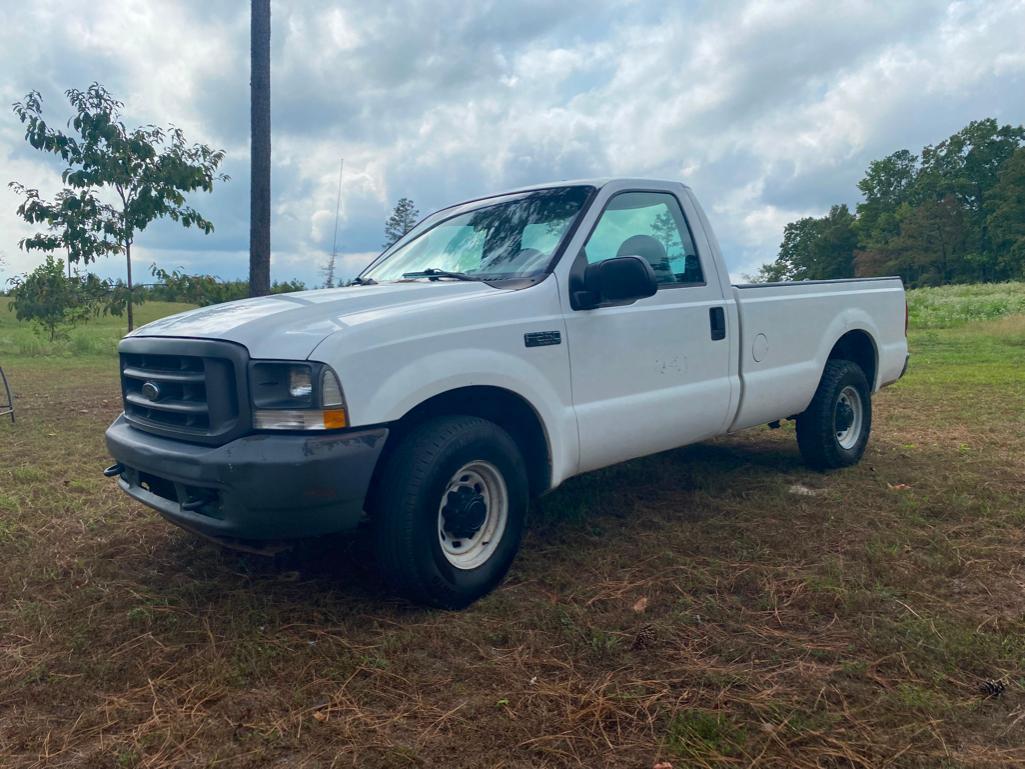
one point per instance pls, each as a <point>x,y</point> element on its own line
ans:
<point>425,377</point>
<point>391,362</point>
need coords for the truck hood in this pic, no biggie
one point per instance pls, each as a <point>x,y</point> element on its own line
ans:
<point>290,326</point>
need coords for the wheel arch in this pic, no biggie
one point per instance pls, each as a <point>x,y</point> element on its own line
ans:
<point>858,346</point>
<point>509,410</point>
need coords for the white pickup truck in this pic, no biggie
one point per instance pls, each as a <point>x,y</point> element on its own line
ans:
<point>502,346</point>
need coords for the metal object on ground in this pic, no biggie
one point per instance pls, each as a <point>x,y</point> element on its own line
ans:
<point>6,409</point>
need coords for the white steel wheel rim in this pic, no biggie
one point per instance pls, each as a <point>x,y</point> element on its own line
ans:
<point>847,435</point>
<point>482,482</point>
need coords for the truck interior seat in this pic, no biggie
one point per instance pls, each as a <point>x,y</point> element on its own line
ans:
<point>651,250</point>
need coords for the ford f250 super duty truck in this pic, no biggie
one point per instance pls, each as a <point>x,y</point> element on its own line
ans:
<point>502,346</point>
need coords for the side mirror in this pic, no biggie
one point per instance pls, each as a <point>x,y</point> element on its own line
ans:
<point>618,280</point>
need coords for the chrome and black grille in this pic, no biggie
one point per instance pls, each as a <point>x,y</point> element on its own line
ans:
<point>190,389</point>
<point>168,389</point>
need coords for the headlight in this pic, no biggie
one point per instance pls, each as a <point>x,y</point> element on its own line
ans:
<point>299,383</point>
<point>296,396</point>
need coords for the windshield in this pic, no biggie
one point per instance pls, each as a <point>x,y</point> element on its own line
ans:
<point>512,236</point>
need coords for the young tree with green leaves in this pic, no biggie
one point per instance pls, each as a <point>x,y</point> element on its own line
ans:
<point>76,223</point>
<point>117,179</point>
<point>55,303</point>
<point>402,220</point>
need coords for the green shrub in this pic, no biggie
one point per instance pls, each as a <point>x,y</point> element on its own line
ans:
<point>54,302</point>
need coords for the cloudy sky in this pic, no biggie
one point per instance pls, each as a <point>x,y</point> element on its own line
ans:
<point>770,109</point>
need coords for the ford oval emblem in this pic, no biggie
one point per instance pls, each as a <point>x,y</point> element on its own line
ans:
<point>151,391</point>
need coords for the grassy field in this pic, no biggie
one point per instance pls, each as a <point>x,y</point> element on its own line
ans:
<point>715,606</point>
<point>93,340</point>
<point>950,306</point>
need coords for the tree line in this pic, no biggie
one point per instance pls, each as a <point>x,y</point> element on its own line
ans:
<point>953,213</point>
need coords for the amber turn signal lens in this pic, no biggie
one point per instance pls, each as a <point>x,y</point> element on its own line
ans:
<point>300,419</point>
<point>335,419</point>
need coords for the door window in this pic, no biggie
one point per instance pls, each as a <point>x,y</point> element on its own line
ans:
<point>649,225</point>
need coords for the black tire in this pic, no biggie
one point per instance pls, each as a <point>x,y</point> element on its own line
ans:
<point>406,514</point>
<point>818,426</point>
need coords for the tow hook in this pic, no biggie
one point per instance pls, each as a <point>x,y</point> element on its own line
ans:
<point>114,470</point>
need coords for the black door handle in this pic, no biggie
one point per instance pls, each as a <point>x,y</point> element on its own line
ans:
<point>717,323</point>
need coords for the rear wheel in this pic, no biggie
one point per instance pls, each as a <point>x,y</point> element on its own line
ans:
<point>450,511</point>
<point>833,431</point>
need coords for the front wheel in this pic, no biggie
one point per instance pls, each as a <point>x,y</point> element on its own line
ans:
<point>450,512</point>
<point>833,431</point>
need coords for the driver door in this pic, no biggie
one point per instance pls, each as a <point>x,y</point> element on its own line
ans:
<point>651,375</point>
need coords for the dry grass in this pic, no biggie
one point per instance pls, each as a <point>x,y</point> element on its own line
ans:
<point>689,607</point>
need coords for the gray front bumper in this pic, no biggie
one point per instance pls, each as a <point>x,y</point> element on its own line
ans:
<point>258,487</point>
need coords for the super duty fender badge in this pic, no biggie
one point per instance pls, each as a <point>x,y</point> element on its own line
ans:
<point>542,338</point>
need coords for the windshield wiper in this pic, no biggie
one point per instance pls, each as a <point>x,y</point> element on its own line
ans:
<point>434,273</point>
<point>358,281</point>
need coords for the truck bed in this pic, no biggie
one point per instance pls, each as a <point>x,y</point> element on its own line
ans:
<point>788,329</point>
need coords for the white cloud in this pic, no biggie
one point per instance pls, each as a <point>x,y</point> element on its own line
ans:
<point>771,110</point>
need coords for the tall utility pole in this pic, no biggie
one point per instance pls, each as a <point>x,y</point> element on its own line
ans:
<point>259,118</point>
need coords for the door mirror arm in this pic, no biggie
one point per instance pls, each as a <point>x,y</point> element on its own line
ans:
<point>585,300</point>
